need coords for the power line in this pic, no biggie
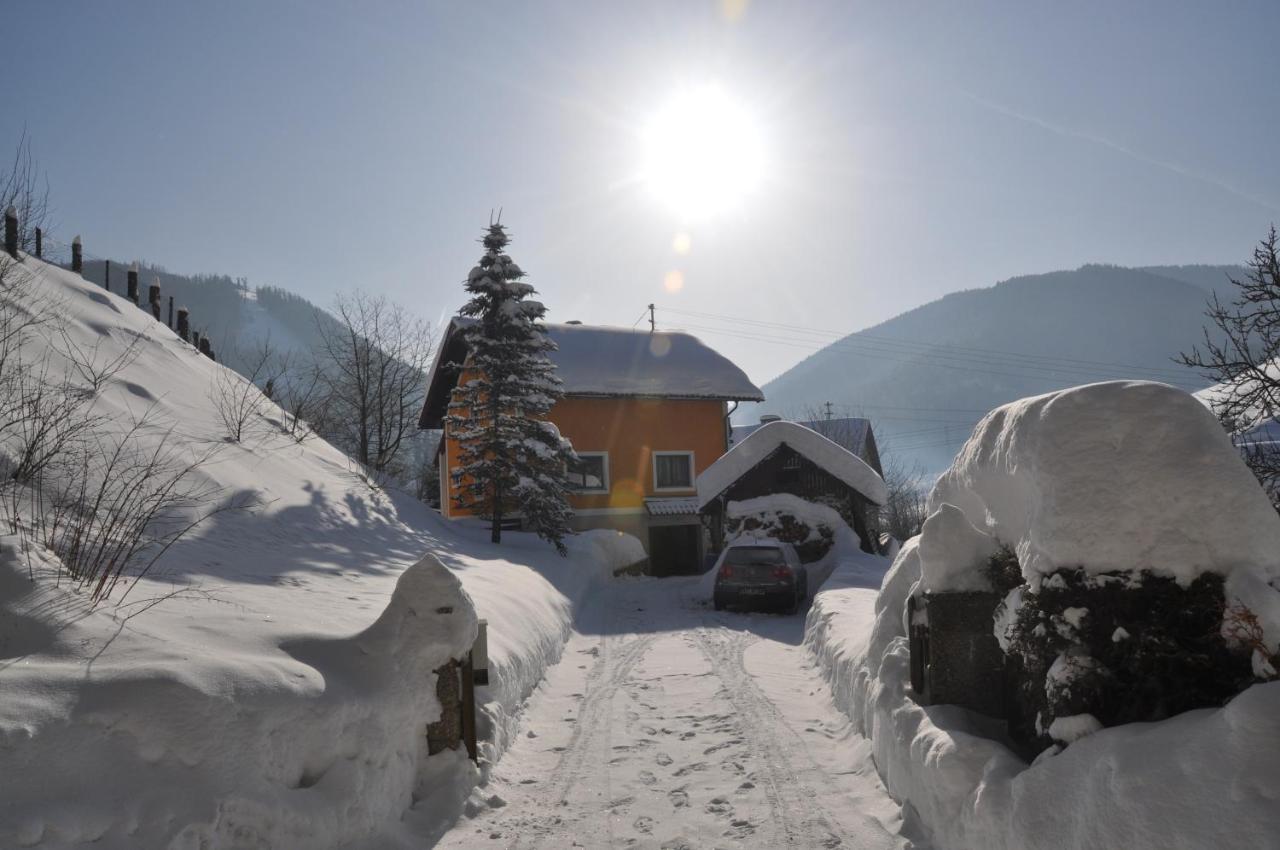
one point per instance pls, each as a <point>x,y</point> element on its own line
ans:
<point>1020,371</point>
<point>1007,358</point>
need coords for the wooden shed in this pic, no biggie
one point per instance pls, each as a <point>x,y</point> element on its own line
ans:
<point>787,457</point>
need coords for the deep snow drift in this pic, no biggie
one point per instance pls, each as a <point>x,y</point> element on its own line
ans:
<point>1117,476</point>
<point>270,681</point>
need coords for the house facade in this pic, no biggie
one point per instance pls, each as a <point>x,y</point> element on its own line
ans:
<point>647,412</point>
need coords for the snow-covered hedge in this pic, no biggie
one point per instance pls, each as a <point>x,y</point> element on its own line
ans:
<point>1109,489</point>
<point>1205,778</point>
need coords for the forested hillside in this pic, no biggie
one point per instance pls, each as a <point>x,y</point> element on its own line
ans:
<point>926,376</point>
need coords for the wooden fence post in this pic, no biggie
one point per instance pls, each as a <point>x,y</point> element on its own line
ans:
<point>39,244</point>
<point>132,291</point>
<point>11,232</point>
<point>153,298</point>
<point>184,324</point>
<point>106,275</point>
<point>77,256</point>
<point>170,312</point>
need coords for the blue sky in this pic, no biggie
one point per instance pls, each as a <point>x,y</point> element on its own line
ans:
<point>913,149</point>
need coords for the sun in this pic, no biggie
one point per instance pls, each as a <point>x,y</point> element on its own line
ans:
<point>702,153</point>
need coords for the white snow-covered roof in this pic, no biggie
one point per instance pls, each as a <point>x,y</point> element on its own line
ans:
<point>850,432</point>
<point>597,360</point>
<point>765,440</point>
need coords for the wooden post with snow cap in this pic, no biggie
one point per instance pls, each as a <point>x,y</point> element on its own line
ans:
<point>11,232</point>
<point>205,348</point>
<point>132,291</point>
<point>195,338</point>
<point>153,298</point>
<point>77,256</point>
<point>184,324</point>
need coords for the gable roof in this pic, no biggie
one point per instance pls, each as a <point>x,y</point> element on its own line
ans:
<point>849,432</point>
<point>764,440</point>
<point>608,362</point>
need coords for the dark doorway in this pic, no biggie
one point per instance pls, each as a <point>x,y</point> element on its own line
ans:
<point>673,550</point>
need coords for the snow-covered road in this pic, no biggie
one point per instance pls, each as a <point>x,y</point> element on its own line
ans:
<point>668,725</point>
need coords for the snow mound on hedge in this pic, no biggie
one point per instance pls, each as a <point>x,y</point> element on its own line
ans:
<point>1120,476</point>
<point>1202,779</point>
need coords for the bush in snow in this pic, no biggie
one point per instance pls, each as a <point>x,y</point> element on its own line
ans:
<point>792,520</point>
<point>512,458</point>
<point>1139,566</point>
<point>1117,648</point>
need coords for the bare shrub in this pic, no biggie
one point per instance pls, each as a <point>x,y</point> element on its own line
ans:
<point>26,188</point>
<point>373,367</point>
<point>241,399</point>
<point>1242,353</point>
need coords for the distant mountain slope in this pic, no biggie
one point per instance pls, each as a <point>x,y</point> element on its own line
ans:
<point>927,375</point>
<point>236,319</point>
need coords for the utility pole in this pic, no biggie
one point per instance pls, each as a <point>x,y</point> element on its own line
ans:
<point>829,414</point>
<point>653,326</point>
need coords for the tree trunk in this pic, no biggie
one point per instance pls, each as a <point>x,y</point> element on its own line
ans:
<point>495,524</point>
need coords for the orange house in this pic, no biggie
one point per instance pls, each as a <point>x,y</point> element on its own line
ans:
<point>646,411</point>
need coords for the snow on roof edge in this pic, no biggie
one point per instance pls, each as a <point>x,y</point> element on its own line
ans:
<point>762,442</point>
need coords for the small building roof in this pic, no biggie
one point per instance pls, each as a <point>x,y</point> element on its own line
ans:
<point>766,439</point>
<point>595,360</point>
<point>850,432</point>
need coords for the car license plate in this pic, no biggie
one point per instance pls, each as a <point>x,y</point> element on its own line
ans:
<point>753,591</point>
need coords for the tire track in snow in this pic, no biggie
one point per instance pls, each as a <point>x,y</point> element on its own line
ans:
<point>801,819</point>
<point>585,756</point>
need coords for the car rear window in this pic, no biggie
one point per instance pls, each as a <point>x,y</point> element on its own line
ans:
<point>742,556</point>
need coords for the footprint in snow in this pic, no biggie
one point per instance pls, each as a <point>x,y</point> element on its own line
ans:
<point>663,759</point>
<point>679,798</point>
<point>647,777</point>
<point>690,768</point>
<point>720,806</point>
<point>644,824</point>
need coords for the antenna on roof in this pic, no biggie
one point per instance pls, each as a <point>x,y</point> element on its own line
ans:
<point>653,326</point>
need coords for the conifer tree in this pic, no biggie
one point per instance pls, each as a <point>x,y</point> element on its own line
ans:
<point>512,458</point>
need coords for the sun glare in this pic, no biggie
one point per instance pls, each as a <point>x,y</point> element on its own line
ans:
<point>702,153</point>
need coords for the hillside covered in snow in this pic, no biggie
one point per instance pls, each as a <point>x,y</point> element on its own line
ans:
<point>269,679</point>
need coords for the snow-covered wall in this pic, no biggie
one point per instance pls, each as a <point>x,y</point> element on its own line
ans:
<point>1202,779</point>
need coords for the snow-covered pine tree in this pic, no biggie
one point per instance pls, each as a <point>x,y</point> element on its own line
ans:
<point>511,457</point>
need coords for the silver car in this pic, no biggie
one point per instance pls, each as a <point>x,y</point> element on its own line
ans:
<point>760,573</point>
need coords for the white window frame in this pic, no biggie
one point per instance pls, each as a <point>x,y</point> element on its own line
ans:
<point>693,474</point>
<point>607,482</point>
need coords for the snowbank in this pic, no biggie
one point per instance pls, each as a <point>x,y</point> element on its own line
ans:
<point>1121,476</point>
<point>766,439</point>
<point>1202,779</point>
<point>269,683</point>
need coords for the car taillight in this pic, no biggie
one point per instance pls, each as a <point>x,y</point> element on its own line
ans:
<point>783,573</point>
<point>726,571</point>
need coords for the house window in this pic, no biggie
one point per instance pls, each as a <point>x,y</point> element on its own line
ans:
<point>591,475</point>
<point>673,470</point>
